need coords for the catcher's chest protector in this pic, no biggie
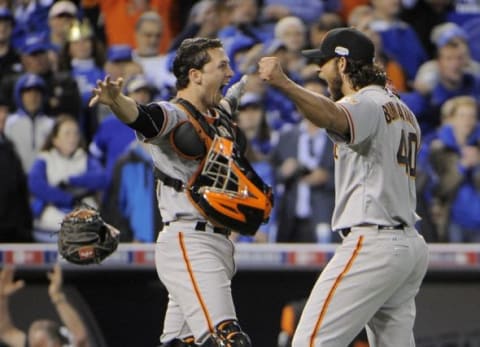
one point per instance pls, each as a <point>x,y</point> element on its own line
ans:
<point>225,188</point>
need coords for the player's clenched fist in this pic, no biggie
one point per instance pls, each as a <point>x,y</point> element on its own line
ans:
<point>106,91</point>
<point>270,70</point>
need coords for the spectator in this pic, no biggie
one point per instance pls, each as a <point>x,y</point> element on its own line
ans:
<point>281,113</point>
<point>463,11</point>
<point>453,81</point>
<point>251,119</point>
<point>29,120</point>
<point>348,6</point>
<point>15,214</point>
<point>204,20</point>
<point>291,32</point>
<point>455,159</point>
<point>42,332</point>
<point>397,76</point>
<point>61,88</point>
<point>307,10</point>
<point>131,205</point>
<point>120,22</point>
<point>113,137</point>
<point>83,57</point>
<point>62,175</point>
<point>31,16</point>
<point>398,38</point>
<point>244,22</point>
<point>472,27</point>
<point>9,59</point>
<point>148,32</point>
<point>325,22</point>
<point>128,205</point>
<point>244,54</point>
<point>61,16</point>
<point>360,14</point>
<point>316,31</point>
<point>280,110</point>
<point>303,160</point>
<point>447,33</point>
<point>120,62</point>
<point>423,16</point>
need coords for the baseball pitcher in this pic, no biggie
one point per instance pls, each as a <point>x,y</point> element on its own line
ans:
<point>376,272</point>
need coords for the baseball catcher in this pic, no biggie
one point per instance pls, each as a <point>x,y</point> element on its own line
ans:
<point>84,238</point>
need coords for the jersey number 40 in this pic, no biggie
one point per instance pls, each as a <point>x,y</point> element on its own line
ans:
<point>407,152</point>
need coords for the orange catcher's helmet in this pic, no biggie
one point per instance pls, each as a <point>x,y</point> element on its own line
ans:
<point>228,192</point>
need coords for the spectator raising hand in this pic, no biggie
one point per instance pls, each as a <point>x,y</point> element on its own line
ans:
<point>7,285</point>
<point>42,332</point>
<point>67,312</point>
<point>55,288</point>
<point>9,334</point>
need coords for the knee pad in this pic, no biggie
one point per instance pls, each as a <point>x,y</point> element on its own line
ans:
<point>186,342</point>
<point>228,334</point>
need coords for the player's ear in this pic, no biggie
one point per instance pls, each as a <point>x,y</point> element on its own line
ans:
<point>195,75</point>
<point>342,64</point>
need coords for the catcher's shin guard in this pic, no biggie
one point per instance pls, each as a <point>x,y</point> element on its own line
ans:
<point>228,334</point>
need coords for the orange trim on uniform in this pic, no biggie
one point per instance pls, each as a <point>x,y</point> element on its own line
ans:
<point>198,294</point>
<point>350,123</point>
<point>357,249</point>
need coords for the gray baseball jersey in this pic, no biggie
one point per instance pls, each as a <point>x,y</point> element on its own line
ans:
<point>375,169</point>
<point>172,204</point>
<point>373,278</point>
<point>195,266</point>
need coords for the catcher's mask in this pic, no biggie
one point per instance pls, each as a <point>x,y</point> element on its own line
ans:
<point>228,191</point>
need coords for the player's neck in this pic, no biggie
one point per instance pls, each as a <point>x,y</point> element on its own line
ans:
<point>194,100</point>
<point>347,89</point>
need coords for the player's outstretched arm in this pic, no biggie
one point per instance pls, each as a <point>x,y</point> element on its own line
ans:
<point>9,334</point>
<point>69,316</point>
<point>319,109</point>
<point>109,93</point>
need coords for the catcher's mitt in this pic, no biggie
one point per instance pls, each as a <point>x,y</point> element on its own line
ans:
<point>84,238</point>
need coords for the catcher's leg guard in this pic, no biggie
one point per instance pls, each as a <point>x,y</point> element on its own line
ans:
<point>186,342</point>
<point>228,334</point>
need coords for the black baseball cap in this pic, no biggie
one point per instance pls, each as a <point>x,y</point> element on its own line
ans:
<point>343,42</point>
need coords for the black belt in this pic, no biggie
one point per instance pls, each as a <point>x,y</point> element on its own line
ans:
<point>346,231</point>
<point>202,226</point>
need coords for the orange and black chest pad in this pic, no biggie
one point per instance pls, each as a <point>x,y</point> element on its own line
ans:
<point>192,138</point>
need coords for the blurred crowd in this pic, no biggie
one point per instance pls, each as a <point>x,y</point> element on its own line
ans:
<point>56,151</point>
